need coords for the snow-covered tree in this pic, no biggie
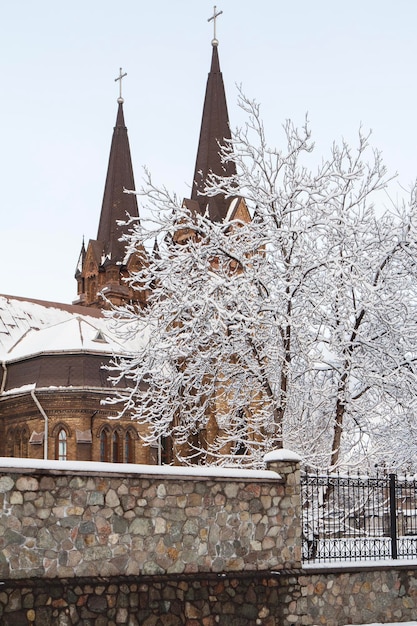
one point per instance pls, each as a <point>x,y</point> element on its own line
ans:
<point>297,325</point>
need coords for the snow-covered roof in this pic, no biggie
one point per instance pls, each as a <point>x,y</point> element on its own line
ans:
<point>29,327</point>
<point>231,209</point>
<point>73,335</point>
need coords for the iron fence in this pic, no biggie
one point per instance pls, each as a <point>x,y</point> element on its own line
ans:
<point>348,517</point>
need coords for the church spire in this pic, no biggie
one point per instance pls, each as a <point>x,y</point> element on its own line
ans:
<point>104,263</point>
<point>214,130</point>
<point>116,204</point>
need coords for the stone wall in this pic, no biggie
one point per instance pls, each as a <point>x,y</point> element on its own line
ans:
<point>66,520</point>
<point>105,545</point>
<point>282,598</point>
<point>188,601</point>
<point>361,595</point>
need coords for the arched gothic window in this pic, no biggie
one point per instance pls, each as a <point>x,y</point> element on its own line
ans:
<point>62,445</point>
<point>16,443</point>
<point>116,452</point>
<point>117,446</point>
<point>92,289</point>
<point>105,445</point>
<point>166,450</point>
<point>10,442</point>
<point>24,443</point>
<point>129,446</point>
<point>240,446</point>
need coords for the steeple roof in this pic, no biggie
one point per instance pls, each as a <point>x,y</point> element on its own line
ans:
<point>214,129</point>
<point>103,267</point>
<point>117,204</point>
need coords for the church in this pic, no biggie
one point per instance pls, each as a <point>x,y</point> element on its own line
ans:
<point>53,377</point>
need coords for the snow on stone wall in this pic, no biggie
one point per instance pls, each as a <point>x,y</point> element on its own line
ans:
<point>61,523</point>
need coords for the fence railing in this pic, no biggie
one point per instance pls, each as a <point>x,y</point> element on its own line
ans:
<point>349,518</point>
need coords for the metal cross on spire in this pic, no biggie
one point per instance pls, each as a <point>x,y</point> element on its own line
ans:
<point>120,77</point>
<point>214,41</point>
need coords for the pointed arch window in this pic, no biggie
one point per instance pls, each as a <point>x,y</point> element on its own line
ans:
<point>116,445</point>
<point>129,447</point>
<point>10,442</point>
<point>166,450</point>
<point>16,443</point>
<point>105,445</point>
<point>62,445</point>
<point>92,289</point>
<point>25,442</point>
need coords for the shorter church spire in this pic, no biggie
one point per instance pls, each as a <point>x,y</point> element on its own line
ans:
<point>116,204</point>
<point>104,264</point>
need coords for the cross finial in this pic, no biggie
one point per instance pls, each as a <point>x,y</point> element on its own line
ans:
<point>214,41</point>
<point>120,77</point>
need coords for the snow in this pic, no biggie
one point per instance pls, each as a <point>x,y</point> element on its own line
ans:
<point>19,316</point>
<point>231,208</point>
<point>71,335</point>
<point>282,454</point>
<point>367,563</point>
<point>30,327</point>
<point>22,389</point>
<point>389,624</point>
<point>9,463</point>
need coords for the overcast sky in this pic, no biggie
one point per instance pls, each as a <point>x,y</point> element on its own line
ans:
<point>344,64</point>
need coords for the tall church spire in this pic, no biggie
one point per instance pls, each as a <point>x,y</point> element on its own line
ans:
<point>103,267</point>
<point>214,130</point>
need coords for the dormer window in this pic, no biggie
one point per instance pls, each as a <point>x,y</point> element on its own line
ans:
<point>100,338</point>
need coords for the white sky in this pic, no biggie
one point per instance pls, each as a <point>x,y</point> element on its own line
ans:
<point>343,63</point>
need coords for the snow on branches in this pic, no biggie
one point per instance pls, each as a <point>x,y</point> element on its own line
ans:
<point>299,323</point>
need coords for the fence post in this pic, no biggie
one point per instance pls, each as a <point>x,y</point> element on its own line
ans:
<point>393,514</point>
<point>287,464</point>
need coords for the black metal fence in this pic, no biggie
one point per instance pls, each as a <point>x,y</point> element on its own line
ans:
<point>350,518</point>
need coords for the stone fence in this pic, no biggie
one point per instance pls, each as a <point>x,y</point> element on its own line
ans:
<point>352,593</point>
<point>66,520</point>
<point>105,545</point>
